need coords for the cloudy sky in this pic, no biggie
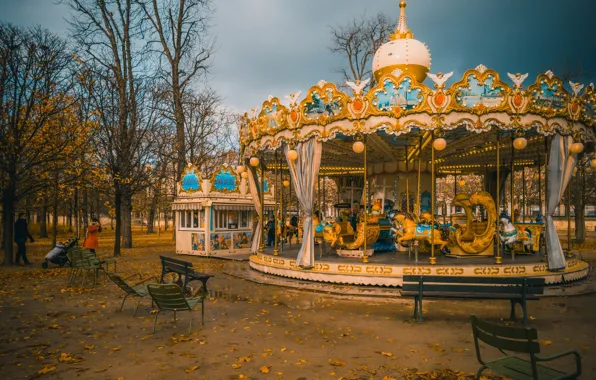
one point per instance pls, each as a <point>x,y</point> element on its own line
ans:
<point>281,46</point>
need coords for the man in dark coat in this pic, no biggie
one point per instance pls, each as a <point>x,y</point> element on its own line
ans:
<point>21,234</point>
<point>271,232</point>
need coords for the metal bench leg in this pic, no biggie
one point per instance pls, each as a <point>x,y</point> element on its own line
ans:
<point>137,307</point>
<point>155,321</point>
<point>512,315</point>
<point>203,311</point>
<point>420,309</point>
<point>190,324</point>
<point>525,311</point>
<point>479,372</point>
<point>124,300</point>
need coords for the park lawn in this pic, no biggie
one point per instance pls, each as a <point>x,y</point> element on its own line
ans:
<point>252,331</point>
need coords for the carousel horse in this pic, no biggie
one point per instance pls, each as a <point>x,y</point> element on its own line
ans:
<point>413,231</point>
<point>509,234</point>
<point>290,228</point>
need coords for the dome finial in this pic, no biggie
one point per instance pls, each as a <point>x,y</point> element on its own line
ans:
<point>402,30</point>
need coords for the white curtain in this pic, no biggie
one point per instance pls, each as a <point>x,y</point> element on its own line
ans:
<point>304,172</point>
<point>255,192</point>
<point>560,169</point>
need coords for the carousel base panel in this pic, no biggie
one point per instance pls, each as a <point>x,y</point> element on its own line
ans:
<point>388,269</point>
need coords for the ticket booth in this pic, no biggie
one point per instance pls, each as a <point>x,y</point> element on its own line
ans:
<point>215,216</point>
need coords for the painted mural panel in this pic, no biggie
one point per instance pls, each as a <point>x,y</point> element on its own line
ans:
<point>198,241</point>
<point>323,104</point>
<point>225,180</point>
<point>242,239</point>
<point>221,241</point>
<point>401,95</point>
<point>477,93</point>
<point>191,180</point>
<point>549,96</point>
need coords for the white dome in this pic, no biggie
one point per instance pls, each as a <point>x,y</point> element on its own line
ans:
<point>402,53</point>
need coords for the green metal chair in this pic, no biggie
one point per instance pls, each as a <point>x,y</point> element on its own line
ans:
<point>134,290</point>
<point>521,340</point>
<point>170,297</point>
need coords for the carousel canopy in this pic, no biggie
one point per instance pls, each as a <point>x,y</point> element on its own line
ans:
<point>400,116</point>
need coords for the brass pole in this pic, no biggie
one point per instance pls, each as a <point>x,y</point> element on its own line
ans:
<point>419,168</point>
<point>364,256</point>
<point>511,182</point>
<point>568,212</point>
<point>539,187</point>
<point>433,259</point>
<point>523,194</point>
<point>275,217</point>
<point>281,203</point>
<point>262,232</point>
<point>498,257</point>
<point>407,182</point>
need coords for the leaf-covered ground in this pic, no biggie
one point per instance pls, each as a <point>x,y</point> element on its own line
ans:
<point>51,331</point>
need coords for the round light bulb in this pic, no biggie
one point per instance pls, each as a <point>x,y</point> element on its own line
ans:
<point>593,163</point>
<point>520,143</point>
<point>461,182</point>
<point>254,161</point>
<point>439,144</point>
<point>292,155</point>
<point>240,169</point>
<point>286,183</point>
<point>576,147</point>
<point>244,175</point>
<point>358,147</point>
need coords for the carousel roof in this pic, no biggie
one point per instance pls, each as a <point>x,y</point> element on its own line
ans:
<point>400,115</point>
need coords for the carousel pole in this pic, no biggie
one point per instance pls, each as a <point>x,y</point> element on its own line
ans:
<point>419,172</point>
<point>407,183</point>
<point>511,182</point>
<point>262,232</point>
<point>282,204</point>
<point>433,259</point>
<point>539,187</point>
<point>546,160</point>
<point>498,257</point>
<point>364,256</point>
<point>290,204</point>
<point>523,194</point>
<point>275,215</point>
<point>568,213</point>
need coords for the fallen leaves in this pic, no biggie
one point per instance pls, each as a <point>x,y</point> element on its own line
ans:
<point>265,369</point>
<point>46,368</point>
<point>191,369</point>
<point>337,362</point>
<point>545,342</point>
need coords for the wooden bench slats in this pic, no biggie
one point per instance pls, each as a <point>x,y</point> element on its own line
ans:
<point>494,296</point>
<point>515,289</point>
<point>524,346</point>
<point>475,280</point>
<point>470,289</point>
<point>182,268</point>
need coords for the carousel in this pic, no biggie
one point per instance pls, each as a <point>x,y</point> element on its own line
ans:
<point>386,149</point>
<point>215,215</point>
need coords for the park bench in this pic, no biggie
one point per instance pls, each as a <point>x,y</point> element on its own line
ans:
<point>182,268</point>
<point>515,289</point>
<point>520,340</point>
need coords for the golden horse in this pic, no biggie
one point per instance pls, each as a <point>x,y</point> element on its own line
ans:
<point>342,234</point>
<point>408,225</point>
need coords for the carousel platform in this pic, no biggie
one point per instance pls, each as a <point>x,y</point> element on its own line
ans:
<point>388,269</point>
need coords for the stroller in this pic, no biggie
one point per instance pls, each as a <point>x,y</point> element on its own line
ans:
<point>58,255</point>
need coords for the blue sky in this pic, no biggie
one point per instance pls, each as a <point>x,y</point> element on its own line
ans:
<point>281,46</point>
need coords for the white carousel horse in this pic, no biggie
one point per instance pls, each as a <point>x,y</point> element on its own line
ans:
<point>509,234</point>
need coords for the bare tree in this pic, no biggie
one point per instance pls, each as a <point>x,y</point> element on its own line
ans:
<point>109,32</point>
<point>181,31</point>
<point>357,42</point>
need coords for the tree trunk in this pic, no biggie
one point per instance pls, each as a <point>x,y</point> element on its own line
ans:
<point>85,210</point>
<point>118,209</point>
<point>77,213</point>
<point>127,218</point>
<point>8,209</point>
<point>165,221</point>
<point>43,225</point>
<point>152,212</point>
<point>55,211</point>
<point>69,216</point>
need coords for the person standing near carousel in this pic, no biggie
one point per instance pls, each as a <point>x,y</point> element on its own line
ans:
<point>92,238</point>
<point>21,234</point>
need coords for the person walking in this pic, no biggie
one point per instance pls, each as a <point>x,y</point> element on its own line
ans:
<point>92,238</point>
<point>271,231</point>
<point>21,234</point>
